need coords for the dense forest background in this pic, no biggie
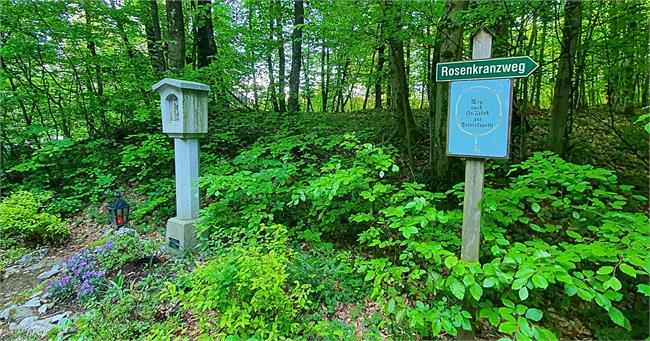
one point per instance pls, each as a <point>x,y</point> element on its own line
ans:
<point>329,208</point>
<point>84,69</point>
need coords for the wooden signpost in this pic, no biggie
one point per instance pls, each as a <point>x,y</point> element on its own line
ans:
<point>478,123</point>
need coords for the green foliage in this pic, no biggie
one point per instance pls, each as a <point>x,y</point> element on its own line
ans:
<point>291,181</point>
<point>10,254</point>
<point>644,120</point>
<point>22,218</point>
<point>331,277</point>
<point>555,227</point>
<point>126,311</point>
<point>146,155</point>
<point>591,234</point>
<point>245,292</point>
<point>68,173</point>
<point>120,250</point>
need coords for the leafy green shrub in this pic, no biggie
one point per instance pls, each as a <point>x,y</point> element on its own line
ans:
<point>9,255</point>
<point>331,276</point>
<point>159,203</point>
<point>147,157</point>
<point>298,180</point>
<point>125,311</point>
<point>557,228</point>
<point>73,173</point>
<point>245,292</point>
<point>21,218</point>
<point>125,248</point>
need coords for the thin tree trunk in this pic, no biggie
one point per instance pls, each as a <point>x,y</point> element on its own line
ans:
<point>368,82</point>
<point>176,32</point>
<point>628,68</point>
<point>379,74</point>
<point>525,105</point>
<point>562,93</point>
<point>308,93</point>
<point>253,58</point>
<point>324,58</point>
<point>451,42</point>
<point>427,70</point>
<point>281,64</point>
<point>646,90</point>
<point>154,39</point>
<point>538,77</point>
<point>206,46</point>
<point>269,62</point>
<point>296,55</point>
<point>399,82</point>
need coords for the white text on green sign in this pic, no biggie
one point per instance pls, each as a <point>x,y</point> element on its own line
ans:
<point>514,67</point>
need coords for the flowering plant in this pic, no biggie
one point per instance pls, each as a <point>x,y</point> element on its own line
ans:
<point>81,278</point>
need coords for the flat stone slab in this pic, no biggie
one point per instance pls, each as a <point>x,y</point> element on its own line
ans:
<point>18,313</point>
<point>33,303</point>
<point>5,313</point>
<point>42,309</point>
<point>35,326</point>
<point>59,317</point>
<point>48,274</point>
<point>126,230</point>
<point>32,257</point>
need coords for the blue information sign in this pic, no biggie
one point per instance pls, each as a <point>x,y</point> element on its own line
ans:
<point>479,118</point>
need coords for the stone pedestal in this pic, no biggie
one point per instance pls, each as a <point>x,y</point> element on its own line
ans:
<point>184,107</point>
<point>181,235</point>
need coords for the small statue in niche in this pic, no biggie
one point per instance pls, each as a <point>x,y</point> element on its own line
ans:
<point>172,104</point>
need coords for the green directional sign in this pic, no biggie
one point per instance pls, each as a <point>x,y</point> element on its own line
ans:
<point>512,67</point>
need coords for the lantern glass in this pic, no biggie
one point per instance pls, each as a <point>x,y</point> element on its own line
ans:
<point>118,212</point>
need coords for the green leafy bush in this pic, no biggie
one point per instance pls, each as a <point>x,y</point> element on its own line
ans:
<point>300,180</point>
<point>9,255</point>
<point>126,311</point>
<point>119,250</point>
<point>555,227</point>
<point>73,173</point>
<point>21,218</point>
<point>245,292</point>
<point>147,156</point>
<point>558,232</point>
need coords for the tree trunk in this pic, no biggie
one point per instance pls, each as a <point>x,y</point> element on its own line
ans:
<point>296,55</point>
<point>281,63</point>
<point>176,32</point>
<point>157,37</point>
<point>540,59</point>
<point>628,68</point>
<point>646,90</point>
<point>154,39</point>
<point>445,170</point>
<point>324,59</point>
<point>427,70</point>
<point>253,57</point>
<point>525,107</point>
<point>269,62</point>
<point>379,74</point>
<point>563,91</point>
<point>368,82</point>
<point>399,84</point>
<point>308,92</point>
<point>206,46</point>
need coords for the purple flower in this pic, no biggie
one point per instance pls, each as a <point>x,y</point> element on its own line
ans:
<point>82,276</point>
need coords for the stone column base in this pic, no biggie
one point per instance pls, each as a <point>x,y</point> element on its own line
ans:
<point>181,235</point>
